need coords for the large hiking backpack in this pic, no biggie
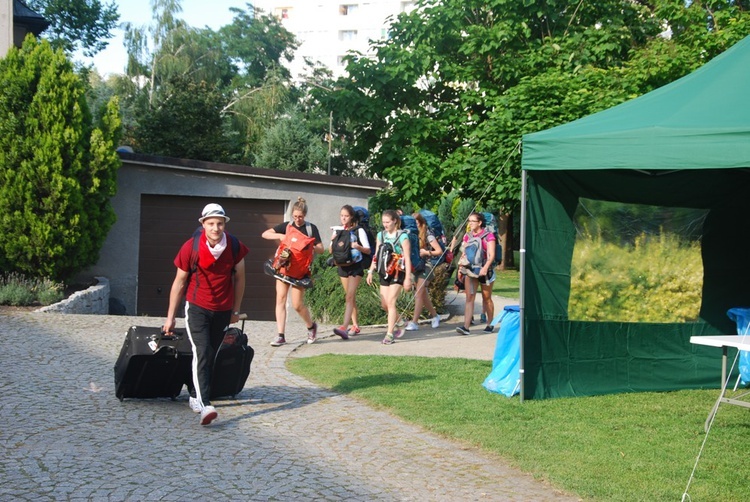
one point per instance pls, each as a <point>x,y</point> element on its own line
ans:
<point>490,224</point>
<point>387,259</point>
<point>363,216</point>
<point>294,255</point>
<point>433,223</point>
<point>474,254</point>
<point>409,225</point>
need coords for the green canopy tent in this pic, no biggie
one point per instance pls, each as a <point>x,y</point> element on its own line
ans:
<point>684,145</point>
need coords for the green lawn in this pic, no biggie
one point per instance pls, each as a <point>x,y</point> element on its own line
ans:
<point>625,447</point>
<point>507,283</point>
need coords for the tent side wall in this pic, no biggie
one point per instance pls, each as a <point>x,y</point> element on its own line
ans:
<point>575,358</point>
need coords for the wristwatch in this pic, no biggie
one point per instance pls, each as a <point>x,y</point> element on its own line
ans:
<point>235,313</point>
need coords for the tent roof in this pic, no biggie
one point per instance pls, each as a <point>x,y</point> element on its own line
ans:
<point>701,121</point>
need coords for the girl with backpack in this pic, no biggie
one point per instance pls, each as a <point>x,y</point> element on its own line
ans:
<point>478,248</point>
<point>349,246</point>
<point>428,248</point>
<point>393,262</point>
<point>297,223</point>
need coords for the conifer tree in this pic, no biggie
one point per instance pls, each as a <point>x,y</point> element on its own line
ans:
<point>57,170</point>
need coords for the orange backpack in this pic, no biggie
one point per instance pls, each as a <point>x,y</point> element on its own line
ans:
<point>294,255</point>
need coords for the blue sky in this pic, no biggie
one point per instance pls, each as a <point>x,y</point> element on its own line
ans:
<point>199,13</point>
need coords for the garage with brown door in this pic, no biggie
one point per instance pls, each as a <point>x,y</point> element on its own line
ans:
<point>168,221</point>
<point>159,200</point>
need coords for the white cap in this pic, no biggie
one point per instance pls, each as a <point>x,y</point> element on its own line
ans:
<point>213,211</point>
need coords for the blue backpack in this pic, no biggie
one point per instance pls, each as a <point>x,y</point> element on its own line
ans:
<point>433,223</point>
<point>363,215</point>
<point>490,224</point>
<point>409,225</point>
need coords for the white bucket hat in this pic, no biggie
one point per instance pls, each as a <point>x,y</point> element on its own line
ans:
<point>213,211</point>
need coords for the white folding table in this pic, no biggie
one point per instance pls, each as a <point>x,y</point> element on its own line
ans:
<point>739,342</point>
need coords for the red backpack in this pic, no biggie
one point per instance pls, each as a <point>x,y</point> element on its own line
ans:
<point>294,255</point>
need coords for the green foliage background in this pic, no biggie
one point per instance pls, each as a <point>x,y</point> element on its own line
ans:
<point>654,280</point>
<point>327,302</point>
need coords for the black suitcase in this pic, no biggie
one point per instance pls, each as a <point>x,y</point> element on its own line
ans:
<point>232,364</point>
<point>151,364</point>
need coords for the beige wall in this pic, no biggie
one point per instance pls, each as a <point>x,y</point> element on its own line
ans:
<point>6,26</point>
<point>118,260</point>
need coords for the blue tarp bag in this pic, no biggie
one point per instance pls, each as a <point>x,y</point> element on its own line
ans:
<point>741,316</point>
<point>505,377</point>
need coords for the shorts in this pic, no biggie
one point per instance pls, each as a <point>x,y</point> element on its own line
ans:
<point>425,273</point>
<point>393,279</point>
<point>486,280</point>
<point>352,270</point>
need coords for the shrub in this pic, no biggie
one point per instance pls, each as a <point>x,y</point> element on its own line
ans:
<point>58,169</point>
<point>327,302</point>
<point>17,290</point>
<point>653,280</point>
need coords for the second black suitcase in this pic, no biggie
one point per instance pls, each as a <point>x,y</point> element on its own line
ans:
<point>151,364</point>
<point>232,364</point>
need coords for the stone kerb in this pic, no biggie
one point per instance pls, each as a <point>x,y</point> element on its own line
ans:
<point>94,300</point>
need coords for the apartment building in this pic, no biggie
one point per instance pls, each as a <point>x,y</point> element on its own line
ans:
<point>328,29</point>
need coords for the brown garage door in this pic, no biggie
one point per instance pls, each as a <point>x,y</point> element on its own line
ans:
<point>168,221</point>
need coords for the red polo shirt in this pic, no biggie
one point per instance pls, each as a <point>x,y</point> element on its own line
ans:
<point>211,286</point>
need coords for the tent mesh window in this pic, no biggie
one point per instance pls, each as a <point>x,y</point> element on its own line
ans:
<point>636,263</point>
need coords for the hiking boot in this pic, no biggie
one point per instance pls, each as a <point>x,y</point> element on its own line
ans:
<point>195,405</point>
<point>354,330</point>
<point>341,331</point>
<point>278,341</point>
<point>312,333</point>
<point>208,415</point>
<point>435,322</point>
<point>388,339</point>
<point>488,329</point>
<point>463,331</point>
<point>412,326</point>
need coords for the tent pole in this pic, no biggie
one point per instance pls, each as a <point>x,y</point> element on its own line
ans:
<point>522,288</point>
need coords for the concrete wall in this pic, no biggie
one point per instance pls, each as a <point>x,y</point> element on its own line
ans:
<point>141,174</point>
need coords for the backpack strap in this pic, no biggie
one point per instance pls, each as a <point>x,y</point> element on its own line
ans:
<point>234,243</point>
<point>308,229</point>
<point>194,260</point>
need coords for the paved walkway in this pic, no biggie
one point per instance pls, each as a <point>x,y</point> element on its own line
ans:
<point>65,436</point>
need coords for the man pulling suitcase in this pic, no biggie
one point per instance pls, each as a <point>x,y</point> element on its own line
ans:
<point>211,278</point>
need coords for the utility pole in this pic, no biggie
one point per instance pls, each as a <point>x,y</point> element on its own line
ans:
<point>330,140</point>
<point>6,26</point>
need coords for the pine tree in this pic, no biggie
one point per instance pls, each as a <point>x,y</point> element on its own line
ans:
<point>57,170</point>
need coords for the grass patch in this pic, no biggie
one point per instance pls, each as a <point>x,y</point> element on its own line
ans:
<point>507,283</point>
<point>639,446</point>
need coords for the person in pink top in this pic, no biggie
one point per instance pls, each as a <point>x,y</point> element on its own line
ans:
<point>478,248</point>
<point>212,284</point>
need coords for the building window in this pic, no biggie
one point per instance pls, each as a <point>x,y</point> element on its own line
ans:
<point>348,9</point>
<point>282,12</point>
<point>347,35</point>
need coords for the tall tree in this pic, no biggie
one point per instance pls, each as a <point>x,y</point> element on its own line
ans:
<point>447,97</point>
<point>235,71</point>
<point>78,24</point>
<point>57,169</point>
